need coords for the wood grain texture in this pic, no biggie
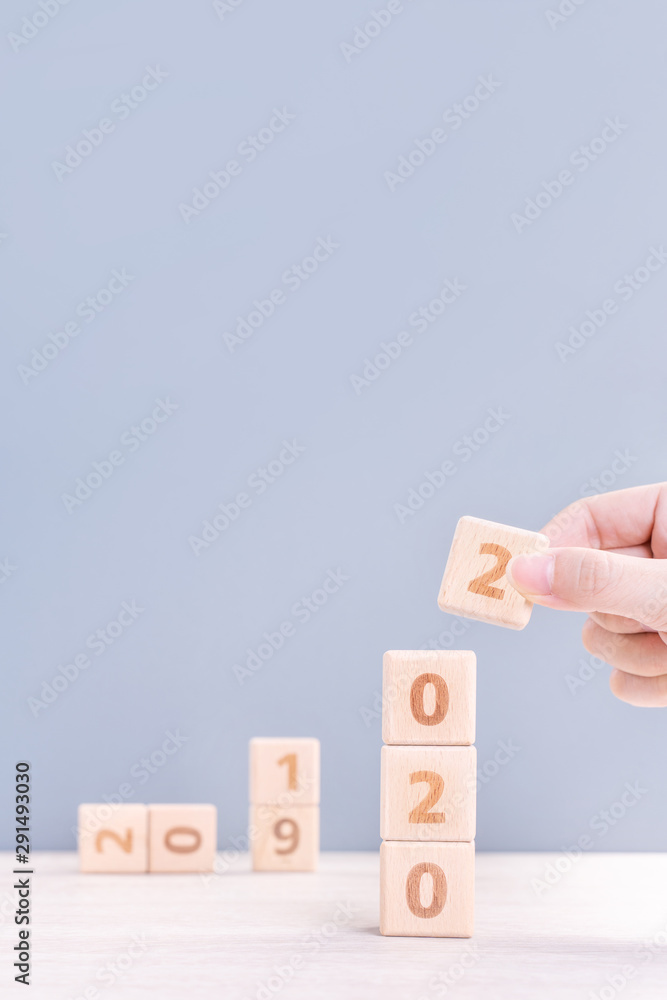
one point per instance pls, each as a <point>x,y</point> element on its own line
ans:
<point>428,793</point>
<point>427,890</point>
<point>284,839</point>
<point>181,837</point>
<point>222,935</point>
<point>113,838</point>
<point>428,697</point>
<point>475,584</point>
<point>285,771</point>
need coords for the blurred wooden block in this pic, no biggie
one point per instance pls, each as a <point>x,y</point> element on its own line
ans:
<point>284,839</point>
<point>285,772</point>
<point>427,890</point>
<point>182,838</point>
<point>428,697</point>
<point>113,838</point>
<point>475,584</point>
<point>428,793</point>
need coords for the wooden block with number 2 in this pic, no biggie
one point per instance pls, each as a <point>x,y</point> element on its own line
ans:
<point>113,838</point>
<point>475,584</point>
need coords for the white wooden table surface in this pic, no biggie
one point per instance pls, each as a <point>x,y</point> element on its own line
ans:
<point>244,935</point>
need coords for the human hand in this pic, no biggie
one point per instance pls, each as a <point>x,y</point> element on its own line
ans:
<point>609,558</point>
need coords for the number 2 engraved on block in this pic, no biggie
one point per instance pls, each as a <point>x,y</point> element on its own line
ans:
<point>182,831</point>
<point>421,812</point>
<point>480,585</point>
<point>291,835</point>
<point>417,699</point>
<point>125,843</point>
<point>413,886</point>
<point>290,760</point>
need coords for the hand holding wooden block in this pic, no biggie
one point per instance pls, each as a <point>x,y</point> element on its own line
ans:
<point>428,793</point>
<point>182,838</point>
<point>475,584</point>
<point>113,838</point>
<point>285,772</point>
<point>428,697</point>
<point>428,890</point>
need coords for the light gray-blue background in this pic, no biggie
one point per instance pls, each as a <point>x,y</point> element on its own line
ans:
<point>68,571</point>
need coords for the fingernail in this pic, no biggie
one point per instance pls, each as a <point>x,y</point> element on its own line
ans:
<point>532,574</point>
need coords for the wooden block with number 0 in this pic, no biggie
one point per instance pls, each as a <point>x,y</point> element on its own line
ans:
<point>427,890</point>
<point>182,838</point>
<point>284,839</point>
<point>285,771</point>
<point>475,584</point>
<point>428,697</point>
<point>428,793</point>
<point>113,838</point>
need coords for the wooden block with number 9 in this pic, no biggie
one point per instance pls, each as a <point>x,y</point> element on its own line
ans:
<point>428,697</point>
<point>284,839</point>
<point>285,772</point>
<point>113,838</point>
<point>475,584</point>
<point>428,793</point>
<point>427,890</point>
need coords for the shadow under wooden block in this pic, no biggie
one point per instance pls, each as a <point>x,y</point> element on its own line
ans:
<point>428,793</point>
<point>475,584</point>
<point>428,697</point>
<point>284,839</point>
<point>182,837</point>
<point>113,838</point>
<point>285,771</point>
<point>427,890</point>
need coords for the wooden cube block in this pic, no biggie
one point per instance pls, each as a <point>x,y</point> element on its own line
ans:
<point>475,584</point>
<point>182,838</point>
<point>285,772</point>
<point>284,839</point>
<point>113,838</point>
<point>428,793</point>
<point>428,697</point>
<point>427,890</point>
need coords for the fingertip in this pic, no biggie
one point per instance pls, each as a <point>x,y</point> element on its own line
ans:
<point>532,575</point>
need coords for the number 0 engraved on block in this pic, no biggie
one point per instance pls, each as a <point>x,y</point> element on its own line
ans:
<point>413,887</point>
<point>290,760</point>
<point>421,812</point>
<point>182,831</point>
<point>480,585</point>
<point>417,699</point>
<point>125,843</point>
<point>287,830</point>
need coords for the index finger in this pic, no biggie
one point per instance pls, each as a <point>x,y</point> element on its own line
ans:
<point>617,520</point>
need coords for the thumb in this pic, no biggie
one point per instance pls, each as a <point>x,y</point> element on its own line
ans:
<point>575,579</point>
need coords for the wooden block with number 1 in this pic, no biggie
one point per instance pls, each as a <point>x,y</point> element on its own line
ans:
<point>475,584</point>
<point>285,771</point>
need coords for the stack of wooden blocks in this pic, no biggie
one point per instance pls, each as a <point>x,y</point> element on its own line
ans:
<point>428,771</point>
<point>285,804</point>
<point>428,794</point>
